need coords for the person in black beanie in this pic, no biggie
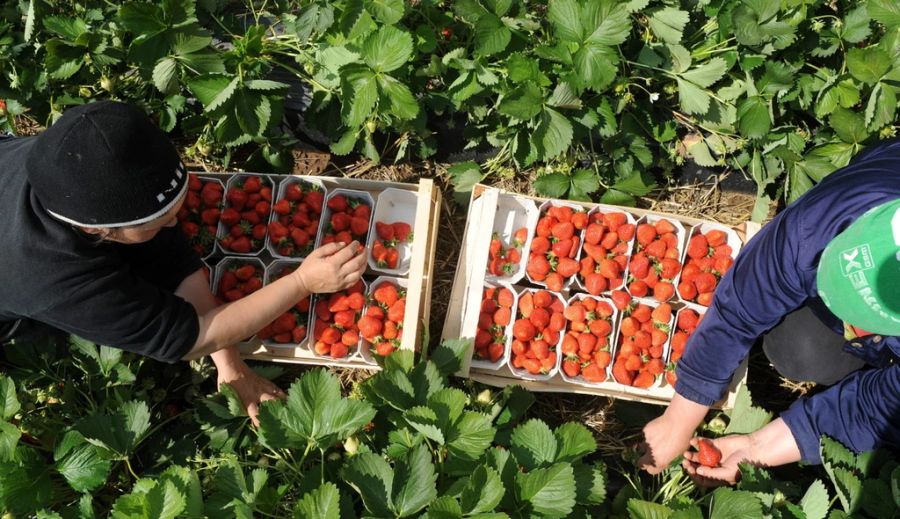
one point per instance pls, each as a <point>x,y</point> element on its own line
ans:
<point>91,248</point>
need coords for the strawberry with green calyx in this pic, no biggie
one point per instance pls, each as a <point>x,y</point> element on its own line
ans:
<point>250,196</point>
<point>493,324</point>
<point>504,261</point>
<point>336,315</point>
<point>295,223</point>
<point>556,239</point>
<point>289,327</point>
<point>200,214</point>
<point>382,323</point>
<point>709,257</point>
<point>536,336</point>
<point>385,251</point>
<point>347,219</point>
<point>586,341</point>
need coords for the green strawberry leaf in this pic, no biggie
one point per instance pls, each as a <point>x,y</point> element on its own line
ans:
<point>533,444</point>
<point>387,49</point>
<point>550,491</point>
<point>668,24</point>
<point>81,463</point>
<point>483,491</point>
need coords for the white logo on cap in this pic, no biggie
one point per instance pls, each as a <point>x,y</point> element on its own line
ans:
<point>856,259</point>
<point>179,172</point>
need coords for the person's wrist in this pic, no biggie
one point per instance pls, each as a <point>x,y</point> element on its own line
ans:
<point>302,284</point>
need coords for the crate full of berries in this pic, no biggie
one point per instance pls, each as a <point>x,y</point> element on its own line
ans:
<point>265,226</point>
<point>605,304</point>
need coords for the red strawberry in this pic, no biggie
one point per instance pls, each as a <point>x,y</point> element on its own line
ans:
<point>385,231</point>
<point>338,203</point>
<point>402,231</point>
<point>708,455</point>
<point>359,226</point>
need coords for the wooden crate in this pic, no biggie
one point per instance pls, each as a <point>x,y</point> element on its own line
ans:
<point>418,297</point>
<point>465,300</point>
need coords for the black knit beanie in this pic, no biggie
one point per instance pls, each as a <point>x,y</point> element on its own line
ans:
<point>105,164</point>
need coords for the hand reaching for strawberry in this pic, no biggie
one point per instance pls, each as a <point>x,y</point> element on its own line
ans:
<point>332,267</point>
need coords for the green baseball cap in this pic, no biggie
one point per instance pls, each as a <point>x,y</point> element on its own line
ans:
<point>859,271</point>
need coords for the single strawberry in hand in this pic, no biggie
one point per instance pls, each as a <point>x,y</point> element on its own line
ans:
<point>708,455</point>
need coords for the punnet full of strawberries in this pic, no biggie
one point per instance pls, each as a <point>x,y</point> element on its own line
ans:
<point>289,327</point>
<point>643,333</point>
<point>199,215</point>
<point>536,331</point>
<point>292,232</point>
<point>503,258</point>
<point>585,346</point>
<point>656,261</point>
<point>348,219</point>
<point>382,324</point>
<point>385,251</point>
<point>555,246</point>
<point>709,258</point>
<point>687,321</point>
<point>335,331</point>
<point>607,244</point>
<point>239,280</point>
<point>493,323</point>
<point>246,214</point>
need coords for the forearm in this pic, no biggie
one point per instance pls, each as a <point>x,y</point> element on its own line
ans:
<point>684,415</point>
<point>773,445</point>
<point>223,326</point>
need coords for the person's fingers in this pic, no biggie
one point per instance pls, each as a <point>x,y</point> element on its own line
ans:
<point>690,456</point>
<point>344,254</point>
<point>266,396</point>
<point>726,474</point>
<point>253,412</point>
<point>326,250</point>
<point>355,265</point>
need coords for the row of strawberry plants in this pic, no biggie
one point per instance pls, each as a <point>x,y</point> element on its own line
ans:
<point>783,91</point>
<point>88,431</point>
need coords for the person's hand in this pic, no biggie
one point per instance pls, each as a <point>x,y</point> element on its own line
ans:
<point>250,387</point>
<point>332,267</point>
<point>735,449</point>
<point>664,440</point>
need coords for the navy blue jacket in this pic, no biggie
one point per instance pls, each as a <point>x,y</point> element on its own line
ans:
<point>775,274</point>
